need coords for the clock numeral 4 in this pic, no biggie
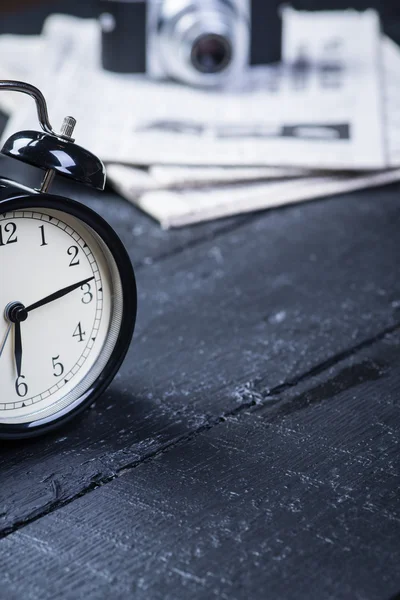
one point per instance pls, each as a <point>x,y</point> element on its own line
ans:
<point>58,367</point>
<point>73,251</point>
<point>11,229</point>
<point>79,333</point>
<point>20,387</point>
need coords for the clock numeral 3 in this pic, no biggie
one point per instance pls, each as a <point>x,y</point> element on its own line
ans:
<point>79,333</point>
<point>10,228</point>
<point>73,251</point>
<point>20,387</point>
<point>87,293</point>
<point>57,366</point>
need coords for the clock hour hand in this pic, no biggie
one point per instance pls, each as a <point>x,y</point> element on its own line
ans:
<point>18,347</point>
<point>58,294</point>
<point>15,313</point>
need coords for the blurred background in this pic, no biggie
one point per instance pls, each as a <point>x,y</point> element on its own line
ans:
<point>206,109</point>
<point>27,16</point>
<point>32,13</point>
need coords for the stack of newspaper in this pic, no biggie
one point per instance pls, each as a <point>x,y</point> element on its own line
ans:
<point>324,121</point>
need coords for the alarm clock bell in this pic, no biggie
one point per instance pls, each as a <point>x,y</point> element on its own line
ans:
<point>52,152</point>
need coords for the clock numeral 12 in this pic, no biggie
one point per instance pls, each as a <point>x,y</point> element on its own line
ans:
<point>79,333</point>
<point>10,228</point>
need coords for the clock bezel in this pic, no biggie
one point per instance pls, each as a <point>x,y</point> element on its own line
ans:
<point>129,291</point>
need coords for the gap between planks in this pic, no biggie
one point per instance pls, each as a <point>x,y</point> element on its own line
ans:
<point>224,230</point>
<point>253,398</point>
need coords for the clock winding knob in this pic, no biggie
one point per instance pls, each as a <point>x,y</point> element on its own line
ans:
<point>67,128</point>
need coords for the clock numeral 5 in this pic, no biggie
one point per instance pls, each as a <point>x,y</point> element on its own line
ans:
<point>79,333</point>
<point>20,387</point>
<point>57,366</point>
<point>10,228</point>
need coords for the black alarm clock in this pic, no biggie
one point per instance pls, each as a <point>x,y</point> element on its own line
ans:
<point>67,289</point>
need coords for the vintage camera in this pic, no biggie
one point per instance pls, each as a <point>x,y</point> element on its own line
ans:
<point>198,42</point>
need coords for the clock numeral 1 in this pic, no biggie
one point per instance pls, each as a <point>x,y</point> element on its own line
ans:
<point>44,243</point>
<point>73,251</point>
<point>57,366</point>
<point>20,387</point>
<point>79,333</point>
<point>10,228</point>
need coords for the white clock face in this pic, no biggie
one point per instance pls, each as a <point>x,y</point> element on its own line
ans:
<point>60,340</point>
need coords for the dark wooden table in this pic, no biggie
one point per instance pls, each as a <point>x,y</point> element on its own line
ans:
<point>249,447</point>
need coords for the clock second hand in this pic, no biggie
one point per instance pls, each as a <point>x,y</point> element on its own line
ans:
<point>5,339</point>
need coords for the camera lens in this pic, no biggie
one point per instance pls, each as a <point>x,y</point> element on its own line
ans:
<point>200,42</point>
<point>211,53</point>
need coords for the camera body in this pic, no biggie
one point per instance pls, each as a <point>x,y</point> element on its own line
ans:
<point>198,42</point>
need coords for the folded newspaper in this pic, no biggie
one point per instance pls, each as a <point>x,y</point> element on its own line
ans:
<point>281,134</point>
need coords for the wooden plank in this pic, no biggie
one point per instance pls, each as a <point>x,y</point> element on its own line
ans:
<point>295,500</point>
<point>219,326</point>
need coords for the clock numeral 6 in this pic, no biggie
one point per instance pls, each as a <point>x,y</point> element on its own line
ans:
<point>57,366</point>
<point>79,333</point>
<point>10,228</point>
<point>20,387</point>
<point>73,251</point>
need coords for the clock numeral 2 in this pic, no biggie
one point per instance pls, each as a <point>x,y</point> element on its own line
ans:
<point>73,251</point>
<point>44,243</point>
<point>10,228</point>
<point>57,366</point>
<point>79,333</point>
<point>20,387</point>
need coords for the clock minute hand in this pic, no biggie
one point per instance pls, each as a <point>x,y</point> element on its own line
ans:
<point>58,294</point>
